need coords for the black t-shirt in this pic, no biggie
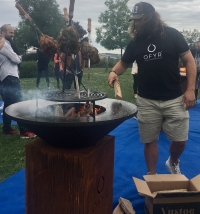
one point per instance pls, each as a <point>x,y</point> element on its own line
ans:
<point>158,64</point>
<point>43,60</point>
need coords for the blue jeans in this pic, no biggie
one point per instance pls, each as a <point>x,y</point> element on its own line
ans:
<point>1,90</point>
<point>12,94</point>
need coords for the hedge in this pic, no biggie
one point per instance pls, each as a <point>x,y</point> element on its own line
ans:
<point>28,69</point>
<point>30,57</point>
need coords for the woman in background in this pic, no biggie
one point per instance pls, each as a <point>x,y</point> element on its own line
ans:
<point>134,72</point>
<point>58,70</point>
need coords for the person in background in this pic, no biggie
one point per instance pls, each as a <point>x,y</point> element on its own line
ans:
<point>1,94</point>
<point>2,40</point>
<point>183,77</point>
<point>73,64</point>
<point>68,74</point>
<point>107,60</point>
<point>134,72</point>
<point>43,66</point>
<point>79,65</point>
<point>58,69</point>
<point>9,77</point>
<point>161,104</point>
<point>15,49</point>
<point>196,55</point>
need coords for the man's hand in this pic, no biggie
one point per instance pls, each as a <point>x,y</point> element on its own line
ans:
<point>111,78</point>
<point>116,71</point>
<point>189,96</point>
<point>189,99</point>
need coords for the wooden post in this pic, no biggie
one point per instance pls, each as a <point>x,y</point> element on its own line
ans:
<point>66,181</point>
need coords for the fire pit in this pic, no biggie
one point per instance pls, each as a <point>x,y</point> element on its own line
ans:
<point>54,126</point>
<point>69,169</point>
<point>72,96</point>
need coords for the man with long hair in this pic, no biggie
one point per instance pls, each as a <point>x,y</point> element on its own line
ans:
<point>161,103</point>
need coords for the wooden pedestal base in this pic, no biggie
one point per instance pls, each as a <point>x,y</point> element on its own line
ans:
<point>65,181</point>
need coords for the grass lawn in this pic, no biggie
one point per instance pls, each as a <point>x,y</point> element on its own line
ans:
<point>12,148</point>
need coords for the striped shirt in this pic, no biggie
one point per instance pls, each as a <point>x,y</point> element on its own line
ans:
<point>9,61</point>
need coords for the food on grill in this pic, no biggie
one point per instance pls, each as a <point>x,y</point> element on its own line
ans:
<point>58,111</point>
<point>68,40</point>
<point>48,45</point>
<point>69,112</point>
<point>90,52</point>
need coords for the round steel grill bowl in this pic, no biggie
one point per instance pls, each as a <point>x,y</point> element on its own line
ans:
<point>72,96</point>
<point>70,132</point>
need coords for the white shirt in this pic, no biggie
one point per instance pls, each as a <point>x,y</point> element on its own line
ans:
<point>9,61</point>
<point>134,68</point>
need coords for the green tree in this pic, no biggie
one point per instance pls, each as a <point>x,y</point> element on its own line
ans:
<point>22,38</point>
<point>45,14</point>
<point>113,34</point>
<point>191,36</point>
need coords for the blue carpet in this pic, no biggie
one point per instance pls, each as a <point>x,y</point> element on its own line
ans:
<point>129,161</point>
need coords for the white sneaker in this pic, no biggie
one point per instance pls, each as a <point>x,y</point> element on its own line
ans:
<point>173,168</point>
<point>135,118</point>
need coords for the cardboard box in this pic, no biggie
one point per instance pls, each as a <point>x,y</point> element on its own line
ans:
<point>179,194</point>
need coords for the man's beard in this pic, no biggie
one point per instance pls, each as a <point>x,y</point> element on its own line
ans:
<point>10,39</point>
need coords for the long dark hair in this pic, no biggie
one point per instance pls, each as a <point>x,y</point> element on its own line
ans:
<point>149,25</point>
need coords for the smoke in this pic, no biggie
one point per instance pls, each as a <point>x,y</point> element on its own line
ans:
<point>30,94</point>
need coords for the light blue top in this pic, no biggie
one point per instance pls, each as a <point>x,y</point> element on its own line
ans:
<point>9,61</point>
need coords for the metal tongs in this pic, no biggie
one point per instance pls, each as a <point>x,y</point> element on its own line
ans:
<point>68,21</point>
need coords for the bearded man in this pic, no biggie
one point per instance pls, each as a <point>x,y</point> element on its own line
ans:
<point>161,103</point>
<point>9,78</point>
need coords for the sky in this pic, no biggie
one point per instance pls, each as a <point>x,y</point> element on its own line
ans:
<point>180,14</point>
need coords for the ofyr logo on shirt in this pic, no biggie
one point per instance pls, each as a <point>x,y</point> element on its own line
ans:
<point>152,55</point>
